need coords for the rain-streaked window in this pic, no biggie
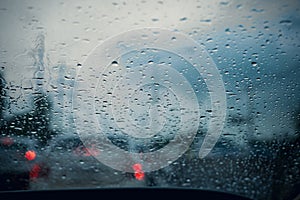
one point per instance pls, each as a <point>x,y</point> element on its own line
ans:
<point>119,94</point>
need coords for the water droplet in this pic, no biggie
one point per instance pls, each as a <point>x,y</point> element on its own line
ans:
<point>257,10</point>
<point>145,36</point>
<point>286,22</point>
<point>115,63</point>
<point>239,6</point>
<point>224,3</point>
<point>254,64</point>
<point>209,40</point>
<point>206,20</point>
<point>227,31</point>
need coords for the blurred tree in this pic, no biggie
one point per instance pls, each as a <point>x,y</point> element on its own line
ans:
<point>35,123</point>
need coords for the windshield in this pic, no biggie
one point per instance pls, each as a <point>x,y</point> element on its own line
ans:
<point>122,94</point>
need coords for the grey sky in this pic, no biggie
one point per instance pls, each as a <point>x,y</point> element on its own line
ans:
<point>73,28</point>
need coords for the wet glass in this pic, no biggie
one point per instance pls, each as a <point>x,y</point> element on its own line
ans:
<point>117,94</point>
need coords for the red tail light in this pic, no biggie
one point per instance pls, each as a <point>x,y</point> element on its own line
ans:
<point>7,141</point>
<point>35,171</point>
<point>138,172</point>
<point>30,155</point>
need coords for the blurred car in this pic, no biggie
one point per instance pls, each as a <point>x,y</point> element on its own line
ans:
<point>20,162</point>
<point>72,165</point>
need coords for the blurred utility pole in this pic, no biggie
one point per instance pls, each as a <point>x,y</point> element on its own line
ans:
<point>2,98</point>
<point>62,83</point>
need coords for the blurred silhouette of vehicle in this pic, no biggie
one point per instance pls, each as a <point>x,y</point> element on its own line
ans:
<point>20,163</point>
<point>72,165</point>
